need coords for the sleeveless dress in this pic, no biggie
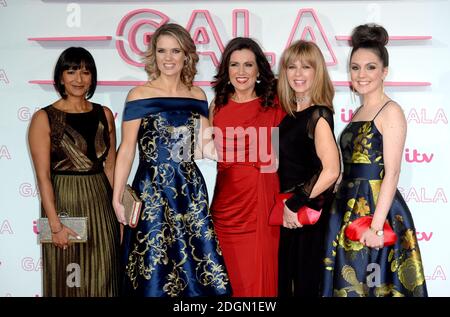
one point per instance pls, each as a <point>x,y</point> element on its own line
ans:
<point>173,251</point>
<point>79,146</point>
<point>244,194</point>
<point>351,269</point>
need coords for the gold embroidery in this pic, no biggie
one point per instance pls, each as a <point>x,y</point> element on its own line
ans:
<point>172,228</point>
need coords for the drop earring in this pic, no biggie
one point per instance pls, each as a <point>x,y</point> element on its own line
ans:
<point>258,80</point>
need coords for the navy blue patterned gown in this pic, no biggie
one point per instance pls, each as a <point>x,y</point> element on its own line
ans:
<point>351,269</point>
<point>173,251</point>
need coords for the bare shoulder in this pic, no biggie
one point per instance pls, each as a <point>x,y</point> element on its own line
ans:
<point>198,93</point>
<point>212,105</point>
<point>108,112</point>
<point>393,111</point>
<point>141,92</point>
<point>39,123</point>
<point>40,117</point>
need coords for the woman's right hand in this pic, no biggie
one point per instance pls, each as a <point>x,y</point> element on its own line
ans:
<point>119,209</point>
<point>60,239</point>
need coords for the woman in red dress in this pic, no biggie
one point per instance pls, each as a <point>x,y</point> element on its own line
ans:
<point>244,112</point>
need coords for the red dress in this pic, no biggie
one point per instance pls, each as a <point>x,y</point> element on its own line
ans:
<point>245,191</point>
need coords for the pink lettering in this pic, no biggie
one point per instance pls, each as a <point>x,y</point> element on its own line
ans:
<point>349,115</point>
<point>201,36</point>
<point>244,13</point>
<point>423,236</point>
<point>417,157</point>
<point>35,227</point>
<point>197,25</point>
<point>308,26</point>
<point>271,57</point>
<point>161,19</point>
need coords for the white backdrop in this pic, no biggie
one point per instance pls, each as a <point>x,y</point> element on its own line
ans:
<point>33,33</point>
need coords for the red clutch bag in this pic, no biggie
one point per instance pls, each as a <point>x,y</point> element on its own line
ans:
<point>306,215</point>
<point>358,226</point>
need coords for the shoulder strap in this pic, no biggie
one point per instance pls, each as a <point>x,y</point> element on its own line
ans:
<point>356,111</point>
<point>381,109</point>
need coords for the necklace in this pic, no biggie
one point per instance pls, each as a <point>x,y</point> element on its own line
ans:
<point>302,102</point>
<point>303,99</point>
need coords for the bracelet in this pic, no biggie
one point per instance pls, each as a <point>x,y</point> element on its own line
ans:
<point>55,232</point>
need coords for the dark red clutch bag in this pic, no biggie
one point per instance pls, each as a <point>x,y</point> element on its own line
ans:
<point>306,215</point>
<point>358,226</point>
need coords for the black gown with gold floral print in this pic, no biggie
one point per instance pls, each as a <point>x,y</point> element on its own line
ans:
<point>173,251</point>
<point>351,269</point>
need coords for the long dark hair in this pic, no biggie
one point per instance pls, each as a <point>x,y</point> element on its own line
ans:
<point>265,89</point>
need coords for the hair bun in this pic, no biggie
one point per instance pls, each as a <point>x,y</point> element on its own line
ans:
<point>369,34</point>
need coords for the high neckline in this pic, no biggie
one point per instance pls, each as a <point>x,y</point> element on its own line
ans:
<point>66,112</point>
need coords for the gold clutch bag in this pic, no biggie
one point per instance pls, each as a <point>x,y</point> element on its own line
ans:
<point>132,204</point>
<point>77,224</point>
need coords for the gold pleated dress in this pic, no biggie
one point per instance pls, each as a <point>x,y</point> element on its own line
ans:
<point>79,146</point>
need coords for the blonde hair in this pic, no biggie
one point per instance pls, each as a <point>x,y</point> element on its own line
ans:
<point>187,45</point>
<point>322,90</point>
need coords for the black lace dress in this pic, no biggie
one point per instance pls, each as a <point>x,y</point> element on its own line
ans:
<point>301,250</point>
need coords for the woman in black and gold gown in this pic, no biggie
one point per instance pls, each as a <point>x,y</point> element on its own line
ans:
<point>173,251</point>
<point>372,146</point>
<point>72,143</point>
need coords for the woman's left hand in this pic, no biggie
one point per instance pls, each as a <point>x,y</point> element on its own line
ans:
<point>290,218</point>
<point>371,239</point>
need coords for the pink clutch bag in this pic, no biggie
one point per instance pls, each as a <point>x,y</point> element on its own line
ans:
<point>306,215</point>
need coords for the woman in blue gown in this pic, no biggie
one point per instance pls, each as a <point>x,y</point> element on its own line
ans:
<point>372,147</point>
<point>173,251</point>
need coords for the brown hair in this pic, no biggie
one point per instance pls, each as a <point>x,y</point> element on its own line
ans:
<point>265,89</point>
<point>322,91</point>
<point>373,37</point>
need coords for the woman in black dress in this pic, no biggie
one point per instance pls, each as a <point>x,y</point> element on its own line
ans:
<point>308,165</point>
